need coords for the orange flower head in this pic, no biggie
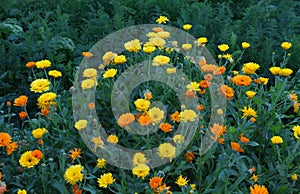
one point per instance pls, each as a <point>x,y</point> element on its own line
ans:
<point>257,189</point>
<point>208,77</point>
<point>5,139</point>
<point>227,91</point>
<point>241,80</point>
<point>37,154</point>
<point>175,117</point>
<point>204,84</point>
<point>155,182</point>
<point>0,176</point>
<point>165,127</point>
<point>87,54</point>
<point>74,154</point>
<point>91,106</point>
<point>202,61</point>
<point>30,64</point>
<point>190,94</point>
<point>208,68</point>
<point>202,91</point>
<point>126,119</point>
<point>157,29</point>
<point>22,115</point>
<point>236,147</point>
<point>221,140</point>
<point>219,70</point>
<point>144,119</point>
<point>244,139</point>
<point>76,190</point>
<point>252,170</point>
<point>10,148</point>
<point>218,130</point>
<point>8,103</point>
<point>45,112</point>
<point>21,101</point>
<point>200,107</point>
<point>189,156</point>
<point>40,141</point>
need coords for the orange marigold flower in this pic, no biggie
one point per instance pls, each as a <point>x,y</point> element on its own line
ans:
<point>251,170</point>
<point>208,77</point>
<point>227,91</point>
<point>155,182</point>
<point>30,64</point>
<point>10,148</point>
<point>190,94</point>
<point>157,29</point>
<point>91,105</point>
<point>21,101</point>
<point>253,119</point>
<point>37,154</point>
<point>202,61</point>
<point>257,189</point>
<point>87,54</point>
<point>22,115</point>
<point>244,139</point>
<point>5,139</point>
<point>144,119</point>
<point>221,140</point>
<point>45,112</point>
<point>8,103</point>
<point>40,141</point>
<point>218,130</point>
<point>236,147</point>
<point>200,107</point>
<point>242,80</point>
<point>204,84</point>
<point>219,70</point>
<point>0,176</point>
<point>189,156</point>
<point>202,91</point>
<point>126,119</point>
<point>74,154</point>
<point>175,117</point>
<point>208,68</point>
<point>165,127</point>
<point>163,189</point>
<point>76,190</point>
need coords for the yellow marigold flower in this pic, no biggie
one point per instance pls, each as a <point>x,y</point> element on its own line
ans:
<point>202,41</point>
<point>193,86</point>
<point>178,139</point>
<point>142,104</point>
<point>23,191</point>
<point>285,72</point>
<point>276,140</point>
<point>101,162</point>
<point>223,47</point>
<point>160,60</point>
<point>108,57</point>
<point>110,73</point>
<point>293,96</point>
<point>39,132</point>
<point>220,111</point>
<point>55,73</point>
<point>257,189</point>
<point>263,80</point>
<point>43,64</point>
<point>188,115</point>
<point>81,124</point>
<point>187,26</point>
<point>133,45</point>
<point>112,139</point>
<point>162,20</point>
<point>152,34</point>
<point>74,174</point>
<point>296,106</point>
<point>181,181</point>
<point>105,180</point>
<point>120,59</point>
<point>248,112</point>
<point>254,178</point>
<point>39,85</point>
<point>139,158</point>
<point>296,130</point>
<point>141,170</point>
<point>193,187</point>
<point>98,143</point>
<point>171,70</point>
<point>294,177</point>
<point>186,47</point>
<point>166,150</point>
<point>28,160</point>
<point>157,41</point>
<point>286,45</point>
<point>275,70</point>
<point>87,84</point>
<point>46,100</point>
<point>156,115</point>
<point>90,73</point>
<point>235,72</point>
<point>250,94</point>
<point>148,49</point>
<point>245,45</point>
<point>250,68</point>
<point>163,34</point>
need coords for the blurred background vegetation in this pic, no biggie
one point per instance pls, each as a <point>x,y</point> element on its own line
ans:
<point>59,30</point>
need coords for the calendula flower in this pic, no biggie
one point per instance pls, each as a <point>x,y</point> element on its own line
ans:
<point>81,124</point>
<point>87,84</point>
<point>181,181</point>
<point>21,101</point>
<point>40,85</point>
<point>141,170</point>
<point>163,34</point>
<point>244,139</point>
<point>5,139</point>
<point>286,45</point>
<point>189,156</point>
<point>30,64</point>
<point>110,73</point>
<point>101,162</point>
<point>241,80</point>
<point>202,41</point>
<point>294,177</point>
<point>276,140</point>
<point>285,72</point>
<point>165,127</point>
<point>28,160</point>
<point>142,104</point>
<point>139,158</point>
<point>296,130</point>
<point>39,132</point>
<point>220,111</point>
<point>187,26</point>
<point>178,139</point>
<point>245,45</point>
<point>208,68</point>
<point>204,84</point>
<point>126,119</point>
<point>162,20</point>
<point>236,147</point>
<point>87,54</point>
<point>257,189</point>
<point>74,154</point>
<point>166,150</point>
<point>227,91</point>
<point>108,57</point>
<point>250,94</point>
<point>144,119</point>
<point>218,130</point>
<point>223,47</point>
<point>90,73</point>
<point>254,178</point>
<point>188,115</point>
<point>23,191</point>
<point>250,68</point>
<point>193,86</point>
<point>10,148</point>
<point>149,49</point>
<point>120,59</point>
<point>133,45</point>
<point>186,47</point>
<point>43,64</point>
<point>46,100</point>
<point>105,180</point>
<point>112,139</point>
<point>156,115</point>
<point>98,143</point>
<point>263,80</point>
<point>22,115</point>
<point>160,60</point>
<point>175,117</point>
<point>37,154</point>
<point>55,73</point>
<point>155,182</point>
<point>248,111</point>
<point>275,70</point>
<point>74,174</point>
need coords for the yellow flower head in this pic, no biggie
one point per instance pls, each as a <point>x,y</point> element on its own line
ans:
<point>245,45</point>
<point>250,68</point>
<point>248,112</point>
<point>171,70</point>
<point>263,80</point>
<point>178,139</point>
<point>254,178</point>
<point>142,104</point>
<point>162,20</point>
<point>46,100</point>
<point>90,73</point>
<point>108,57</point>
<point>43,64</point>
<point>87,84</point>
<point>160,60</point>
<point>276,140</point>
<point>23,191</point>
<point>193,86</point>
<point>141,170</point>
<point>39,132</point>
<point>250,94</point>
<point>181,181</point>
<point>286,45</point>
<point>101,162</point>
<point>294,177</point>
<point>28,160</point>
<point>133,45</point>
<point>81,124</point>
<point>139,158</point>
<point>120,59</point>
<point>40,85</point>
<point>148,49</point>
<point>285,72</point>
<point>188,115</point>
<point>296,130</point>
<point>163,34</point>
<point>156,115</point>
<point>55,73</point>
<point>275,70</point>
<point>186,47</point>
<point>187,26</point>
<point>202,41</point>
<point>156,41</point>
<point>110,73</point>
<point>112,139</point>
<point>105,180</point>
<point>223,47</point>
<point>74,174</point>
<point>166,150</point>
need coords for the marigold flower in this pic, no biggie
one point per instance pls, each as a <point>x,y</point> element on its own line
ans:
<point>188,115</point>
<point>91,106</point>
<point>250,94</point>
<point>8,103</point>
<point>155,182</point>
<point>248,111</point>
<point>221,140</point>
<point>193,86</point>
<point>189,156</point>
<point>156,41</point>
<point>144,119</point>
<point>257,189</point>
<point>178,139</point>
<point>37,154</point>
<point>90,73</point>
<point>241,80</point>
<point>112,139</point>
<point>120,59</point>
<point>74,174</point>
<point>181,181</point>
<point>186,47</point>
<point>220,111</point>
<point>166,150</point>
<point>139,158</point>
<point>250,68</point>
<point>293,96</point>
<point>74,154</point>
<point>254,178</point>
<point>0,176</point>
<point>208,68</point>
<point>163,34</point>
<point>202,41</point>
<point>286,45</point>
<point>296,130</point>
<point>218,130</point>
<point>40,85</point>
<point>101,162</point>
<point>98,143</point>
<point>149,49</point>
<point>141,170</point>
<point>156,115</point>
<point>175,117</point>
<point>23,191</point>
<point>10,148</point>
<point>46,100</point>
<point>253,119</point>
<point>276,140</point>
<point>87,54</point>
<point>160,60</point>
<point>204,84</point>
<point>165,127</point>
<point>43,64</point>
<point>157,29</point>
<point>200,107</point>
<point>227,91</point>
<point>162,20</point>
<point>244,139</point>
<point>236,147</point>
<point>30,64</point>
<point>39,132</point>
<point>76,190</point>
<point>187,26</point>
<point>202,61</point>
<point>219,70</point>
<point>133,45</point>
<point>22,115</point>
<point>294,177</point>
<point>245,45</point>
<point>81,124</point>
<point>275,70</point>
<point>21,101</point>
<point>223,47</point>
<point>5,139</point>
<point>263,80</point>
<point>110,73</point>
<point>285,72</point>
<point>55,73</point>
<point>126,119</point>
<point>28,160</point>
<point>108,57</point>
